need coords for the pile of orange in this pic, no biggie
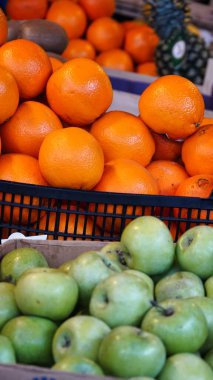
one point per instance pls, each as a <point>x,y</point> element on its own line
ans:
<point>94,32</point>
<point>56,130</point>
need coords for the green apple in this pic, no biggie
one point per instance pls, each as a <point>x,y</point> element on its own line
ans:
<point>194,251</point>
<point>206,305</point>
<point>114,250</point>
<point>141,378</point>
<point>7,352</point>
<point>121,299</point>
<point>144,277</point>
<point>46,292</point>
<point>31,338</point>
<point>65,267</point>
<point>79,335</point>
<point>179,285</point>
<point>209,358</point>
<point>78,364</point>
<point>127,352</point>
<point>8,306</point>
<point>186,366</point>
<point>209,287</point>
<point>148,245</point>
<point>174,269</point>
<point>88,269</point>
<point>179,323</point>
<point>18,261</point>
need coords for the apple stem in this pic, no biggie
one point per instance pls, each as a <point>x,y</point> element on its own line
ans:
<point>167,312</point>
<point>121,257</point>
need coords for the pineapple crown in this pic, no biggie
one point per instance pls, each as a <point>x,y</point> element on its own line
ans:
<point>166,16</point>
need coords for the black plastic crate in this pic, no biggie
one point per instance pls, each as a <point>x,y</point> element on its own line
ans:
<point>79,214</point>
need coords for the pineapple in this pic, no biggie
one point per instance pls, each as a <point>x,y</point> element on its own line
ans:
<point>179,51</point>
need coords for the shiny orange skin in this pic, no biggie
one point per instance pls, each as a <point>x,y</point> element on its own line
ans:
<point>3,27</point>
<point>116,59</point>
<point>172,105</point>
<point>79,48</point>
<point>27,128</point>
<point>9,95</point>
<point>70,16</point>
<point>165,148</point>
<point>147,68</point>
<point>98,8</point>
<point>29,64</point>
<point>105,34</point>
<point>26,9</point>
<point>79,92</point>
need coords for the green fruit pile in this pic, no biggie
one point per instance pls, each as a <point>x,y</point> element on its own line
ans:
<point>138,308</point>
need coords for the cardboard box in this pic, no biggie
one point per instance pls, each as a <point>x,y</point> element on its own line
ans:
<point>56,253</point>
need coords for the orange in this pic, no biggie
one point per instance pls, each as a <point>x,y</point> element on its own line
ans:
<point>123,176</point>
<point>131,24</point>
<point>20,168</point>
<point>165,148</point>
<point>140,43</point>
<point>70,16</point>
<point>172,105</point>
<point>122,135</point>
<point>200,186</point>
<point>9,95</point>
<point>26,9</point>
<point>197,151</point>
<point>56,63</point>
<point>79,92</point>
<point>29,64</point>
<point>71,223</point>
<point>168,174</point>
<point>98,8</point>
<point>116,59</point>
<point>79,48</point>
<point>105,33</point>
<point>3,27</point>
<point>207,120</point>
<point>27,128</point>
<point>72,158</point>
<point>147,68</point>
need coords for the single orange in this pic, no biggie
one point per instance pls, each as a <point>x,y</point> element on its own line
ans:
<point>26,9</point>
<point>123,176</point>
<point>131,24</point>
<point>147,68</point>
<point>200,186</point>
<point>123,135</point>
<point>105,33</point>
<point>79,92</point>
<point>27,128</point>
<point>3,27</point>
<point>9,95</point>
<point>79,48</point>
<point>117,59</point>
<point>172,105</point>
<point>168,174</point>
<point>20,168</point>
<point>141,43</point>
<point>29,64</point>
<point>165,148</point>
<point>98,8</point>
<point>71,157</point>
<point>207,120</point>
<point>197,151</point>
<point>56,63</point>
<point>70,16</point>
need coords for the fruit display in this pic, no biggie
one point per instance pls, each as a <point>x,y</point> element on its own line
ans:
<point>141,307</point>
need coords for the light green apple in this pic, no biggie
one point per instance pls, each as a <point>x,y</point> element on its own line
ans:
<point>78,364</point>
<point>7,352</point>
<point>114,250</point>
<point>79,335</point>
<point>186,366</point>
<point>88,269</point>
<point>179,323</point>
<point>46,292</point>
<point>16,262</point>
<point>31,338</point>
<point>141,378</point>
<point>8,306</point>
<point>179,285</point>
<point>65,267</point>
<point>209,287</point>
<point>194,251</point>
<point>209,358</point>
<point>144,277</point>
<point>206,305</point>
<point>121,299</point>
<point>148,245</point>
<point>127,352</point>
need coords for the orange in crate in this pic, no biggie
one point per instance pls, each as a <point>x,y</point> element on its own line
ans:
<point>26,9</point>
<point>3,27</point>
<point>98,8</point>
